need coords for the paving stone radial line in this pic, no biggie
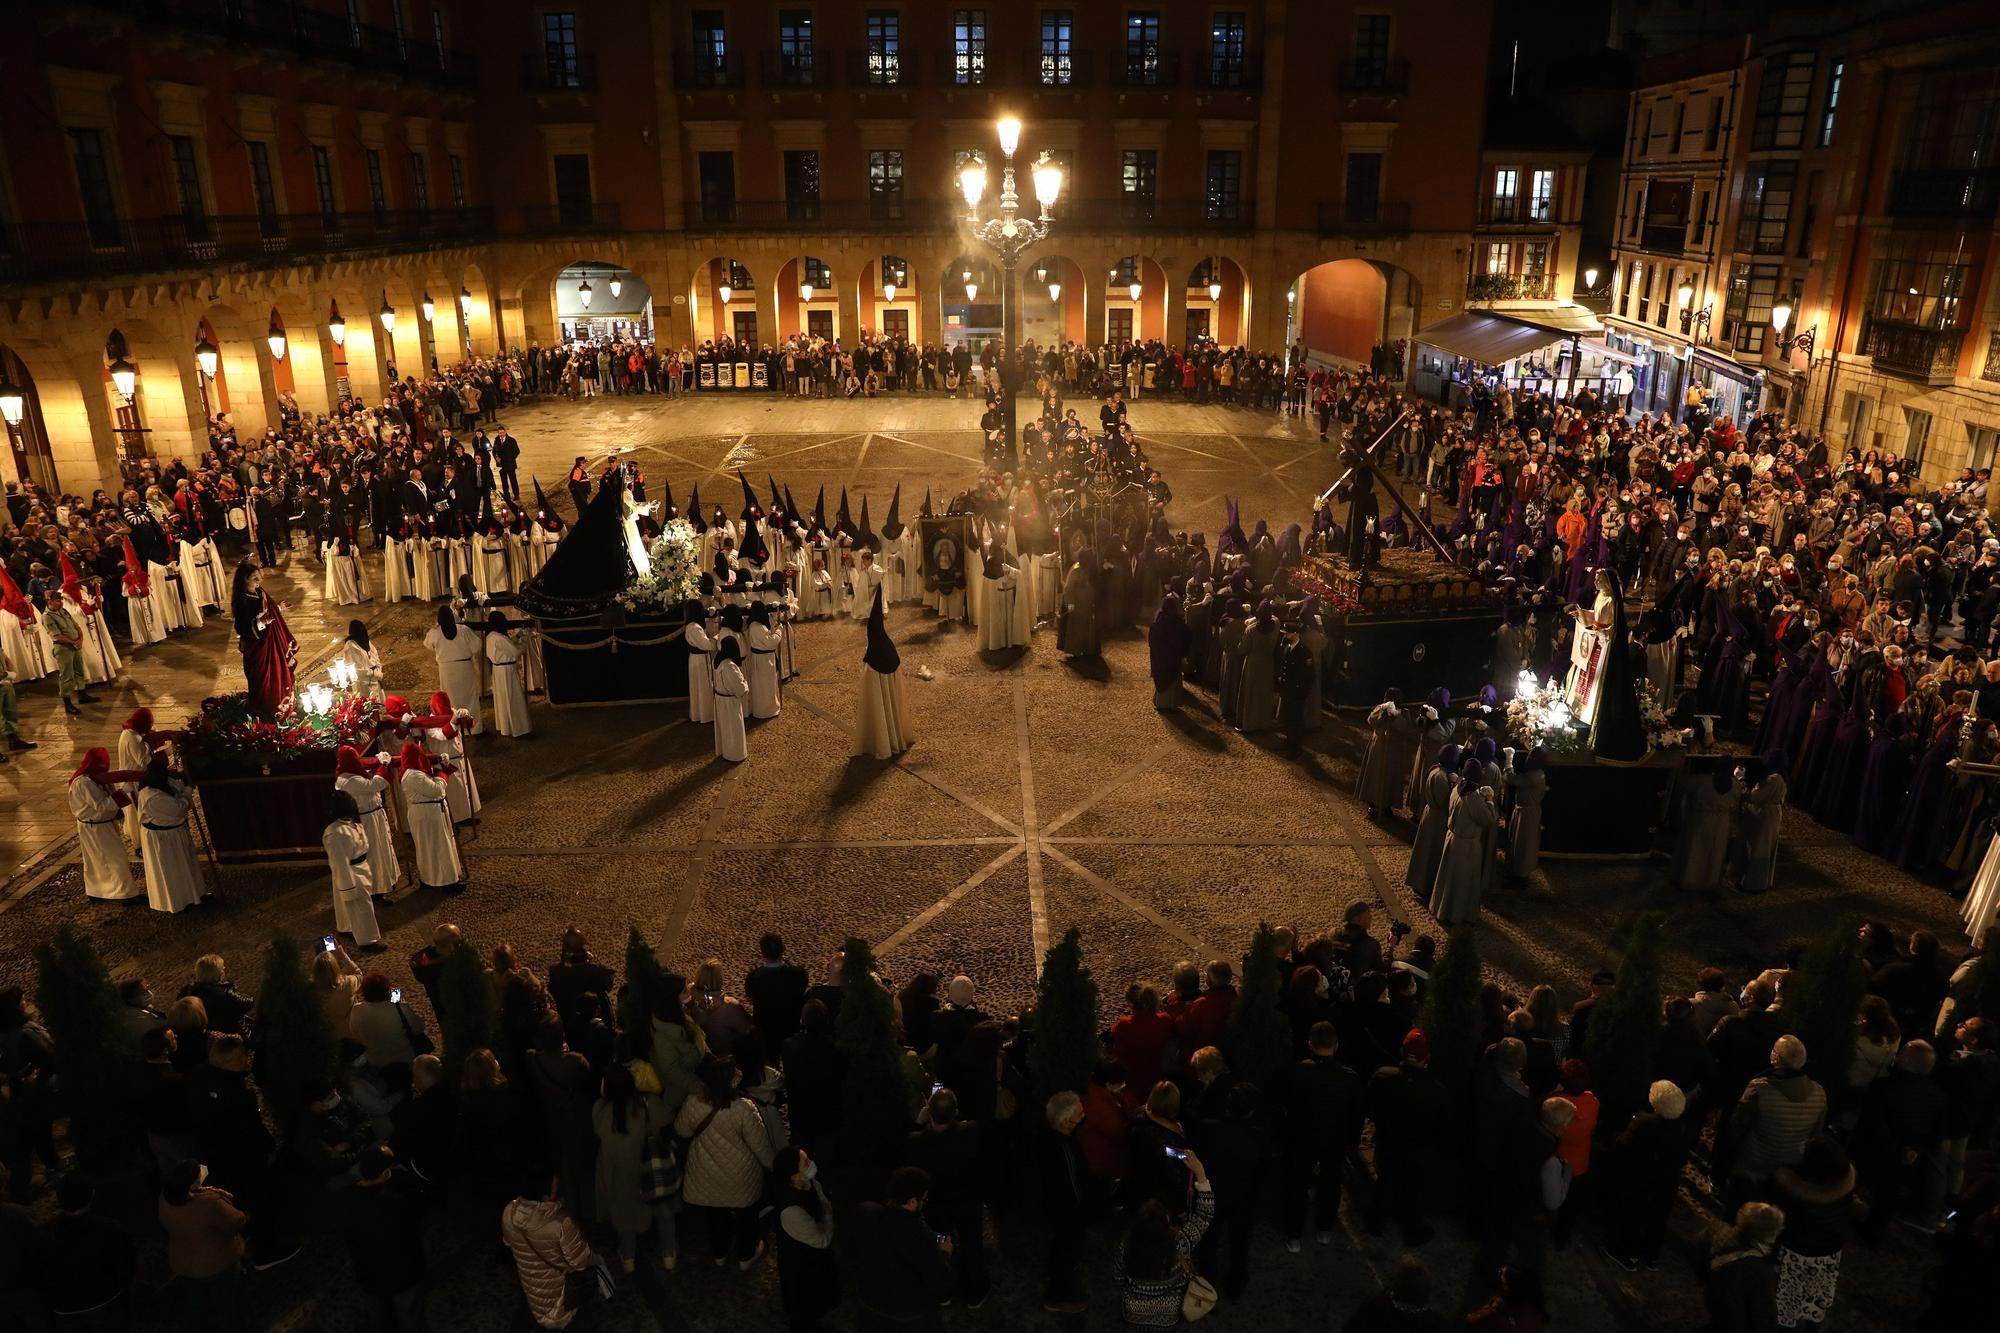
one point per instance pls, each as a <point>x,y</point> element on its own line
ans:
<point>969,802</point>
<point>1134,770</point>
<point>1038,904</point>
<point>697,862</point>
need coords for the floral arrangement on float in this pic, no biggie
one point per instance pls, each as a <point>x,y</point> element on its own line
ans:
<point>1539,714</point>
<point>673,573</point>
<point>317,720</point>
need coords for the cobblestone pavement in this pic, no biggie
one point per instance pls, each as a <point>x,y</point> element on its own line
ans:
<point>1039,795</point>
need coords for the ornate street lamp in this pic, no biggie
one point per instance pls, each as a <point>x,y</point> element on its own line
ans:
<point>583,293</point>
<point>429,307</point>
<point>387,314</point>
<point>1009,236</point>
<point>464,301</point>
<point>274,338</point>
<point>207,355</point>
<point>617,285</point>
<point>336,327</point>
<point>1781,316</point>
<point>13,402</point>
<point>124,375</point>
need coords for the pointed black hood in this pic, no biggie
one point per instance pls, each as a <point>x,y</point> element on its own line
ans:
<point>751,509</point>
<point>751,547</point>
<point>926,511</point>
<point>792,507</point>
<point>777,501</point>
<point>669,511</point>
<point>843,519</point>
<point>819,511</point>
<point>892,526</point>
<point>694,510</point>
<point>545,513</point>
<point>881,655</point>
<point>867,536</point>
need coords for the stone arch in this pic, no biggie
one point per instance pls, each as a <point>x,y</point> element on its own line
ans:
<point>1217,293</point>
<point>1343,309</point>
<point>241,387</point>
<point>51,445</point>
<point>969,299</point>
<point>160,418</point>
<point>709,314</point>
<point>798,312</point>
<point>1139,319</point>
<point>882,312</point>
<point>478,310</point>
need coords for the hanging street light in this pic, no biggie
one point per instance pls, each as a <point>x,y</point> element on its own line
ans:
<point>1133,289</point>
<point>124,375</point>
<point>889,291</point>
<point>274,338</point>
<point>617,285</point>
<point>429,307</point>
<point>583,293</point>
<point>723,292</point>
<point>464,301</point>
<point>1215,279</point>
<point>387,314</point>
<point>207,355</point>
<point>13,402</point>
<point>336,327</point>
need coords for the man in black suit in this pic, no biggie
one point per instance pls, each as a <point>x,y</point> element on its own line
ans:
<point>777,992</point>
<point>416,496</point>
<point>507,454</point>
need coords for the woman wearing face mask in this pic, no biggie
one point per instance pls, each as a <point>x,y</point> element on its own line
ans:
<point>808,1276</point>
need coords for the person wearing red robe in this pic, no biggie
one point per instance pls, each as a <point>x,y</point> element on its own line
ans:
<point>269,651</point>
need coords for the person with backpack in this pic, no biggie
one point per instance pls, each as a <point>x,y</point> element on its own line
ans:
<point>638,1169</point>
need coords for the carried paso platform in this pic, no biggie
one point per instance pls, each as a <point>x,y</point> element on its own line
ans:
<point>1410,617</point>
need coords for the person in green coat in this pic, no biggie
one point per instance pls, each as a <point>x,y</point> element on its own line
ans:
<point>628,1124</point>
<point>68,638</point>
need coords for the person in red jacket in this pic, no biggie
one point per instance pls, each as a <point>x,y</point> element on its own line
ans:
<point>1207,1019</point>
<point>1139,1039</point>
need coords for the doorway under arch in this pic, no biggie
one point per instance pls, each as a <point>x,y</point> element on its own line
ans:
<point>1217,301</point>
<point>31,454</point>
<point>1351,311</point>
<point>722,301</point>
<point>600,301</point>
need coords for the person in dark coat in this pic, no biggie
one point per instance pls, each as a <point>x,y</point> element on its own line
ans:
<point>1742,1286</point>
<point>1064,1200</point>
<point>1643,1174</point>
<point>1884,785</point>
<point>901,1268</point>
<point>1295,687</point>
<point>947,1149</point>
<point>812,1068</point>
<point>777,993</point>
<point>1167,643</point>
<point>84,1262</point>
<point>383,1224</point>
<point>1406,1104</point>
<point>1322,1126</point>
<point>1817,1198</point>
<point>1897,1141</point>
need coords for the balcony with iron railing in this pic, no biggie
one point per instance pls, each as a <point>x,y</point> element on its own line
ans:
<point>806,71</point>
<point>881,213</point>
<point>1056,71</point>
<point>548,72</point>
<point>953,68</point>
<point>1363,217</point>
<point>1378,77</point>
<point>1241,75</point>
<point>706,71</point>
<point>1952,196</point>
<point>1913,351</point>
<point>109,247</point>
<point>1137,213</point>
<point>301,30</point>
<point>576,215</point>
<point>1142,70</point>
<point>881,69</point>
<point>1669,238</point>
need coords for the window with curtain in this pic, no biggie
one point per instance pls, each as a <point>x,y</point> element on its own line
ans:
<point>1142,47</point>
<point>1541,196</point>
<point>1746,312</point>
<point>711,44</point>
<point>559,50</point>
<point>885,54</point>
<point>795,45</point>
<point>1058,29</point>
<point>1506,191</point>
<point>378,191</point>
<point>968,46</point>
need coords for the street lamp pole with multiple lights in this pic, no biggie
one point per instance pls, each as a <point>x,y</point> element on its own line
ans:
<point>1009,236</point>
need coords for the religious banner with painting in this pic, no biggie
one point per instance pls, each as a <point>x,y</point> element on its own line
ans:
<point>947,541</point>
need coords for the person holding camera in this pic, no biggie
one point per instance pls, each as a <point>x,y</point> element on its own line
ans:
<point>902,1269</point>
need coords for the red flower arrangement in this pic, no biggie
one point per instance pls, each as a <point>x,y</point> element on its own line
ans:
<point>228,732</point>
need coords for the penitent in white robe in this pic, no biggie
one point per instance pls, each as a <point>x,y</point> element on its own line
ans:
<point>201,576</point>
<point>865,575</point>
<point>144,619</point>
<point>462,787</point>
<point>132,755</point>
<point>701,673</point>
<point>510,692</point>
<point>23,646</point>
<point>106,871</point>
<point>910,548</point>
<point>490,573</point>
<point>1004,623</point>
<point>177,611</point>
<point>346,843</point>
<point>425,566</point>
<point>430,830</point>
<point>541,544</point>
<point>882,721</point>
<point>367,666</point>
<point>370,798</point>
<point>173,874</point>
<point>731,690</point>
<point>100,656</point>
<point>395,571</point>
<point>342,584</point>
<point>763,669</point>
<point>457,667</point>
